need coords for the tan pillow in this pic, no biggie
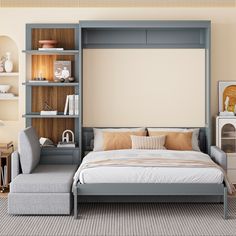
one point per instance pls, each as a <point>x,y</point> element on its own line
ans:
<point>119,140</point>
<point>145,142</point>
<point>176,140</point>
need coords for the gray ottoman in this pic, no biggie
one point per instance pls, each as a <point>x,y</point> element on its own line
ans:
<point>47,190</point>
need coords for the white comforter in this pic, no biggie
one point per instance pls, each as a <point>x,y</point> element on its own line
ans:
<point>130,174</point>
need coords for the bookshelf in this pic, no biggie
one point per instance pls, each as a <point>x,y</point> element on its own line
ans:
<point>9,106</point>
<point>51,92</point>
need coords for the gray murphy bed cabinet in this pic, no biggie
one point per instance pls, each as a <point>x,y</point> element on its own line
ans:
<point>118,34</point>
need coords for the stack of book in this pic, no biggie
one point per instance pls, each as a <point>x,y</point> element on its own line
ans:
<point>48,113</point>
<point>3,176</point>
<point>5,147</point>
<point>72,105</point>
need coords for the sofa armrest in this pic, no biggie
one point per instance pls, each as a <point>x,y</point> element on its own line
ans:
<point>219,157</point>
<point>15,165</point>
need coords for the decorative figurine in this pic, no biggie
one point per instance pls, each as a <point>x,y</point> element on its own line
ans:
<point>8,65</point>
<point>226,103</point>
<point>71,79</point>
<point>68,139</point>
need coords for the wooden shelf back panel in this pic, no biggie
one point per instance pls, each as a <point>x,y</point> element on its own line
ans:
<point>64,37</point>
<point>52,128</point>
<point>53,96</point>
<point>44,65</point>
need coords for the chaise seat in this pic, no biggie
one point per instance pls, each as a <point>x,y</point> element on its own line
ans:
<point>45,179</point>
<point>38,189</point>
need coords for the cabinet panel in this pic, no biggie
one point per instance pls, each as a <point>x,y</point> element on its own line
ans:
<point>113,36</point>
<point>226,137</point>
<point>232,176</point>
<point>53,128</point>
<point>172,36</point>
<point>231,161</point>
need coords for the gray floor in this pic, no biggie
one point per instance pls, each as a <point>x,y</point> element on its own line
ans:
<point>126,219</point>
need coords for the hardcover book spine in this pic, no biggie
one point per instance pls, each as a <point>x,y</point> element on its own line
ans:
<point>71,105</point>
<point>66,105</point>
<point>76,104</point>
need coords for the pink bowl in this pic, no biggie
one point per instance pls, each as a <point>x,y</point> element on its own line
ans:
<point>48,43</point>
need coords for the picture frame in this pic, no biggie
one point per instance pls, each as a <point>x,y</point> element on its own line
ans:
<point>227,89</point>
<point>62,70</point>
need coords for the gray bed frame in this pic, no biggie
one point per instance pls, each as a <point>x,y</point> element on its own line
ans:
<point>143,190</point>
<point>149,34</point>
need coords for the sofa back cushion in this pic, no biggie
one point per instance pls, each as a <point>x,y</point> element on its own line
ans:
<point>29,149</point>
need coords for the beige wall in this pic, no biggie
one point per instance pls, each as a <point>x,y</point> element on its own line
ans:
<point>12,23</point>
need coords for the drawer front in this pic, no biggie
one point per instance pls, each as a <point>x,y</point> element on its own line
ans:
<point>232,176</point>
<point>231,161</point>
<point>60,156</point>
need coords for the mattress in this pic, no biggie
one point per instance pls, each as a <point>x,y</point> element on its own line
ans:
<point>137,174</point>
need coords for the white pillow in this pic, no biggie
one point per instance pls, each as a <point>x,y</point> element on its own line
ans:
<point>98,135</point>
<point>195,143</point>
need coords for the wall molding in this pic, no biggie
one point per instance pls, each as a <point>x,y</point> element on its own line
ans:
<point>118,3</point>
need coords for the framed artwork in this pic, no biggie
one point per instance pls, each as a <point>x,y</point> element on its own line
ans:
<point>62,70</point>
<point>227,96</point>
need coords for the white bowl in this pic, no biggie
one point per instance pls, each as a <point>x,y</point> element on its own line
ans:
<point>4,88</point>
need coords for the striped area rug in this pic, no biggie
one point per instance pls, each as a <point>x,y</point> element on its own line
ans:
<point>129,219</point>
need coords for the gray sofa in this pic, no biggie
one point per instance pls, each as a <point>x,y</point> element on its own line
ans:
<point>38,188</point>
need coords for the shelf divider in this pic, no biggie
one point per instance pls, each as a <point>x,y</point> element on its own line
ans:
<point>51,52</point>
<point>50,84</point>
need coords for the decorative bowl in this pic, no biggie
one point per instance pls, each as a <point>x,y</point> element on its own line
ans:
<point>4,88</point>
<point>48,43</point>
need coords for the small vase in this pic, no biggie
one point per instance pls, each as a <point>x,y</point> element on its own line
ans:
<point>8,63</point>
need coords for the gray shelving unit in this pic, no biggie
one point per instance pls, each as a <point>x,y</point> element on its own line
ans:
<point>67,35</point>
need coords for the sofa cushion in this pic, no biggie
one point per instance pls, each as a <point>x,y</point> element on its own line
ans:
<point>45,179</point>
<point>29,149</point>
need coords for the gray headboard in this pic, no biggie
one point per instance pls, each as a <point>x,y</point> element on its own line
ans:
<point>87,137</point>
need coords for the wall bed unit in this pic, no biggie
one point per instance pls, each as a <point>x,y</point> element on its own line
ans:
<point>150,34</point>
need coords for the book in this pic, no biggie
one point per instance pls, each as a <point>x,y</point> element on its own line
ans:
<point>66,105</point>
<point>76,104</point>
<point>71,104</point>
<point>48,113</point>
<point>2,178</point>
<point>68,145</point>
<point>50,49</point>
<point>5,176</point>
<point>38,81</point>
<point>62,70</point>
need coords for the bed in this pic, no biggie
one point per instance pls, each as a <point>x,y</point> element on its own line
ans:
<point>97,177</point>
